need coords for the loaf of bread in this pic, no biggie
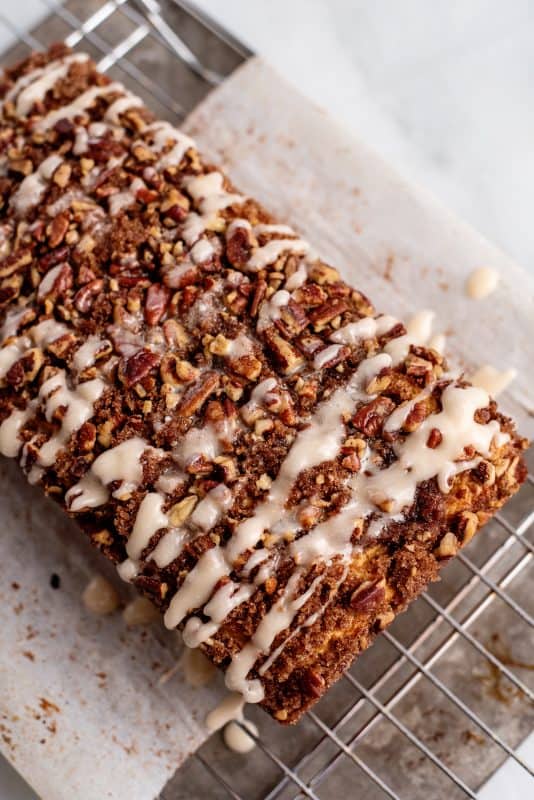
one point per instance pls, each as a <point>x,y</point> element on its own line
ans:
<point>279,468</point>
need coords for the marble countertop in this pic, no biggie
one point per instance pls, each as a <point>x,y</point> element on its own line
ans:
<point>442,92</point>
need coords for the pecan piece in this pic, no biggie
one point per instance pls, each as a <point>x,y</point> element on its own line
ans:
<point>434,438</point>
<point>85,297</point>
<point>370,418</point>
<point>368,595</point>
<point>322,273</point>
<point>239,246</point>
<point>287,357</point>
<point>138,366</point>
<point>326,312</point>
<point>58,228</point>
<point>156,301</point>
<point>198,394</point>
<point>313,683</point>
<point>448,546</point>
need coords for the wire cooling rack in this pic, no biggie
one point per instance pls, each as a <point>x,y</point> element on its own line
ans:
<point>447,693</point>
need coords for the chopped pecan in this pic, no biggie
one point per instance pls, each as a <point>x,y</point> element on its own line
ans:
<point>175,371</point>
<point>60,347</point>
<point>26,368</point>
<point>198,394</point>
<point>448,546</point>
<point>467,525</point>
<point>417,414</point>
<point>288,358</point>
<point>57,229</point>
<point>134,369</point>
<point>85,297</point>
<point>247,365</point>
<point>10,289</point>
<point>14,262</point>
<point>322,273</point>
<point>156,301</point>
<point>54,257</point>
<point>175,333</point>
<point>292,320</point>
<point>86,437</point>
<point>239,246</point>
<point>434,438</point>
<point>368,595</point>
<point>56,282</point>
<point>313,682</point>
<point>370,418</point>
<point>310,295</point>
<point>61,176</point>
<point>326,312</point>
<point>258,296</point>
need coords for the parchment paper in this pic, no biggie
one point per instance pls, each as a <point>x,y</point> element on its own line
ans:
<point>81,711</point>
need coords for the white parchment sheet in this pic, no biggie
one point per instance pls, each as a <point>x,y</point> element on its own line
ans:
<point>82,712</point>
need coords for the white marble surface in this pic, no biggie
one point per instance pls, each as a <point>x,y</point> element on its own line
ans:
<point>442,91</point>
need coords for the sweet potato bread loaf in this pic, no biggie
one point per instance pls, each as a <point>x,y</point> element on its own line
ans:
<point>276,466</point>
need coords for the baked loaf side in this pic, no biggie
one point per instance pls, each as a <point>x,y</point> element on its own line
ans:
<point>275,465</point>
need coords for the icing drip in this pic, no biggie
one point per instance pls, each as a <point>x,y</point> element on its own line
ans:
<point>163,134</point>
<point>209,511</point>
<point>355,332</point>
<point>121,105</point>
<point>34,186</point>
<point>202,251</point>
<point>86,355</point>
<point>150,519</point>
<point>209,194</point>
<point>270,310</point>
<point>78,106</point>
<point>492,380</point>
<point>418,331</point>
<point>32,87</point>
<point>79,403</point>
<point>325,355</point>
<point>481,283</point>
<point>120,463</point>
<point>271,251</point>
<point>10,428</point>
<point>126,198</point>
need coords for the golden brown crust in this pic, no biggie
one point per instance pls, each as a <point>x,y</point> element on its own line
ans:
<point>167,370</point>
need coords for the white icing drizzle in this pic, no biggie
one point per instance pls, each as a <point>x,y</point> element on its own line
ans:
<point>325,355</point>
<point>121,105</point>
<point>355,332</point>
<point>120,463</point>
<point>319,442</point>
<point>11,353</point>
<point>209,194</point>
<point>81,141</point>
<point>269,253</point>
<point>86,355</point>
<point>77,106</point>
<point>237,739</point>
<point>47,282</point>
<point>492,380</point>
<point>278,618</point>
<point>12,322</point>
<point>79,403</point>
<point>149,519</point>
<point>193,227</point>
<point>210,510</point>
<point>298,279</point>
<point>481,283</point>
<point>169,481</point>
<point>418,331</point>
<point>125,198</point>
<point>164,133</point>
<point>231,707</point>
<point>198,442</point>
<point>33,186</point>
<point>32,87</point>
<point>169,547</point>
<point>270,310</point>
<point>47,332</point>
<point>10,428</point>
<point>201,251</point>
<point>241,346</point>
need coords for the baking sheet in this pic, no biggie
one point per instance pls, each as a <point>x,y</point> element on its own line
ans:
<point>81,709</point>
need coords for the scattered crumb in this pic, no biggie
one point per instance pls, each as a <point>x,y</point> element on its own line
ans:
<point>388,269</point>
<point>48,706</point>
<point>492,380</point>
<point>15,585</point>
<point>29,655</point>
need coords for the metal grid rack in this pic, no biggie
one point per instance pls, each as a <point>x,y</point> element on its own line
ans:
<point>447,694</point>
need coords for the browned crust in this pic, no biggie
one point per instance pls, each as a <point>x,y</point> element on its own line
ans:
<point>97,291</point>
